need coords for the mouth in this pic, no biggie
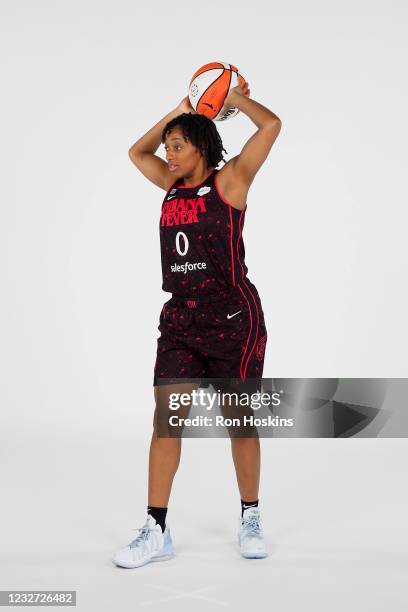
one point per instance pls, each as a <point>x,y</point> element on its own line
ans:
<point>172,167</point>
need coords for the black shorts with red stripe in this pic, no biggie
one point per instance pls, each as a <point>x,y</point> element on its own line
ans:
<point>222,335</point>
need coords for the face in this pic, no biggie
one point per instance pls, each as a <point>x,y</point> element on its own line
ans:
<point>182,156</point>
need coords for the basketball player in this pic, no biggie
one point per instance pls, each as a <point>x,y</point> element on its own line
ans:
<point>213,325</point>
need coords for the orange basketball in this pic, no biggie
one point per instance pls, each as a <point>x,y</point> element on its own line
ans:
<point>209,87</point>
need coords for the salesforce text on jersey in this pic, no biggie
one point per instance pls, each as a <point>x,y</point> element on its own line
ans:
<point>188,267</point>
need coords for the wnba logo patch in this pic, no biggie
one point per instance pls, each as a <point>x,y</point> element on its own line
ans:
<point>260,348</point>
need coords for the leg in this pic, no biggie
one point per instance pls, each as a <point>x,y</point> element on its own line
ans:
<point>154,541</point>
<point>164,455</point>
<point>245,446</point>
<point>246,455</point>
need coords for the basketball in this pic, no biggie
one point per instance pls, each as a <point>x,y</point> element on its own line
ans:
<point>209,87</point>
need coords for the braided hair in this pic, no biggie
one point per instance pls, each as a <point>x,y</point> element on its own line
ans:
<point>202,133</point>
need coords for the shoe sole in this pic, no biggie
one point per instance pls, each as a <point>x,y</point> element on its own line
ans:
<point>165,557</point>
<point>254,555</point>
<point>152,560</point>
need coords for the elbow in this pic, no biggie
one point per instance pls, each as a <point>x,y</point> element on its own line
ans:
<point>134,155</point>
<point>131,152</point>
<point>275,123</point>
<point>273,127</point>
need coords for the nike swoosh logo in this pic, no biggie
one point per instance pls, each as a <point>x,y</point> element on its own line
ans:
<point>245,507</point>
<point>233,315</point>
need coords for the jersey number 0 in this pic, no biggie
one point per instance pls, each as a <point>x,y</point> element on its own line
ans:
<point>179,251</point>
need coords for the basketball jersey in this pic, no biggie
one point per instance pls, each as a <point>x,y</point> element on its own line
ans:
<point>202,249</point>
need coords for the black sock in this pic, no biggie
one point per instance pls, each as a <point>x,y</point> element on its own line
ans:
<point>159,515</point>
<point>248,504</point>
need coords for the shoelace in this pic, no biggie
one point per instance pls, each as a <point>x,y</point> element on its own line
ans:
<point>252,526</point>
<point>141,538</point>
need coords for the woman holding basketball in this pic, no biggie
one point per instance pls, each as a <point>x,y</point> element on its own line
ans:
<point>213,325</point>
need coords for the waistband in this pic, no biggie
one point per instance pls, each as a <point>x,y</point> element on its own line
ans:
<point>195,301</point>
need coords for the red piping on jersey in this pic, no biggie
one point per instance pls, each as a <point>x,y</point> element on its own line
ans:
<point>231,228</point>
<point>241,216</point>
<point>198,184</point>
<point>249,335</point>
<point>232,250</point>
<point>257,326</point>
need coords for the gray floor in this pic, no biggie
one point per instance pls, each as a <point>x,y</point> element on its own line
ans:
<point>334,511</point>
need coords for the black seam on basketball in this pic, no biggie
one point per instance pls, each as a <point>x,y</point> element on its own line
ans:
<point>223,70</point>
<point>230,75</point>
<point>229,84</point>
<point>211,84</point>
<point>208,70</point>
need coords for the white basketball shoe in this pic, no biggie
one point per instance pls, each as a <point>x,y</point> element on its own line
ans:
<point>250,535</point>
<point>150,545</point>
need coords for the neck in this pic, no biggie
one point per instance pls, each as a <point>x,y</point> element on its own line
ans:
<point>197,176</point>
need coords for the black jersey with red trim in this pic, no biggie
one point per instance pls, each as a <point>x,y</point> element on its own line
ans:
<point>202,249</point>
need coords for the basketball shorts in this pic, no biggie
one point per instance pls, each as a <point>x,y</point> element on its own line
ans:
<point>219,336</point>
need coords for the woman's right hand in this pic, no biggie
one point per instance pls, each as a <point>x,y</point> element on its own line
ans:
<point>185,106</point>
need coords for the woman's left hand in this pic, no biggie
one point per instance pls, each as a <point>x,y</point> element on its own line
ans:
<point>231,99</point>
<point>185,106</point>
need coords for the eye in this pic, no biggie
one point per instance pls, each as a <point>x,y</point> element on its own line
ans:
<point>177,147</point>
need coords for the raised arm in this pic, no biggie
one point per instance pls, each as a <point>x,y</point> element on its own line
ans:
<point>142,153</point>
<point>244,166</point>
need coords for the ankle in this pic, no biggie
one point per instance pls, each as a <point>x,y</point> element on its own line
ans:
<point>159,515</point>
<point>248,504</point>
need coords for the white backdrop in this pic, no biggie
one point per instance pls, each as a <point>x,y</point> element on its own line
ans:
<point>325,230</point>
<point>326,222</point>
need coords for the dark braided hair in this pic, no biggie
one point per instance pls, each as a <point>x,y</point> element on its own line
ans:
<point>202,133</point>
